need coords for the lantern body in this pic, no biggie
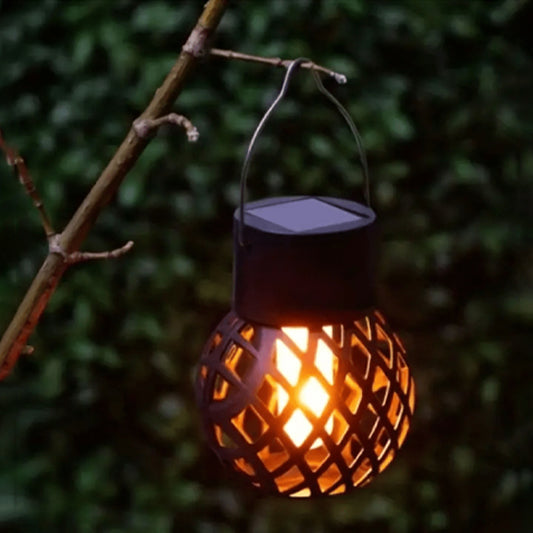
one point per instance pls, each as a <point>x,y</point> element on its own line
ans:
<point>305,411</point>
<point>303,387</point>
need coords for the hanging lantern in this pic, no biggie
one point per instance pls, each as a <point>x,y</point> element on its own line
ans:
<point>303,387</point>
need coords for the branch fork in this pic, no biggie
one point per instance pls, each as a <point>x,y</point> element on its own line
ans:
<point>54,247</point>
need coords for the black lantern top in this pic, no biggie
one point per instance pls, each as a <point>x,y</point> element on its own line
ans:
<point>307,260</point>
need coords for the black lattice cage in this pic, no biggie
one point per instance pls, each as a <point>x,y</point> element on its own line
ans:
<point>301,411</point>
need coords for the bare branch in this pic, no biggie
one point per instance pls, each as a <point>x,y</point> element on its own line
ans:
<point>77,257</point>
<point>43,285</point>
<point>277,62</point>
<point>54,247</point>
<point>146,127</point>
<point>21,171</point>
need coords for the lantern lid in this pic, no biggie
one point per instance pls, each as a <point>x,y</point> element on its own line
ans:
<point>304,260</point>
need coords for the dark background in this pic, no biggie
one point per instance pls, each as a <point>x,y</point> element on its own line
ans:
<point>98,429</point>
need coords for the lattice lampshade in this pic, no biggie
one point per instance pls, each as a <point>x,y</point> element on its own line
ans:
<point>304,389</point>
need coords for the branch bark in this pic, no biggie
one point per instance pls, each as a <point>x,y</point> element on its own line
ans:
<point>146,127</point>
<point>277,62</point>
<point>54,266</point>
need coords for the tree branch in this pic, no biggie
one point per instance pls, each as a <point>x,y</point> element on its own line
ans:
<point>46,280</point>
<point>21,171</point>
<point>276,62</point>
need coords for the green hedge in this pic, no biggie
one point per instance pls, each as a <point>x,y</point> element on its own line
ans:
<point>98,429</point>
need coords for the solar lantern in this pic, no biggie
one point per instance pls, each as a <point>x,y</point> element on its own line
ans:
<point>303,387</point>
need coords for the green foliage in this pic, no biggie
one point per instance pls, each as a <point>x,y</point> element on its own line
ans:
<point>98,429</point>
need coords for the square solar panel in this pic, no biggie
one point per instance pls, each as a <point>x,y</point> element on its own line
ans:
<point>304,215</point>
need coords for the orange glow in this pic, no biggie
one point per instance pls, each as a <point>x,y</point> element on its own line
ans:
<point>311,394</point>
<point>347,384</point>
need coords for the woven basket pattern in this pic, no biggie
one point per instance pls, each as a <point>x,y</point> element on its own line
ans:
<point>305,412</point>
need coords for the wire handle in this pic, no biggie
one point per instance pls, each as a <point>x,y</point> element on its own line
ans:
<point>249,152</point>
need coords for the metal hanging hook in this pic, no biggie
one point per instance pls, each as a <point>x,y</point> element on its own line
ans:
<point>251,146</point>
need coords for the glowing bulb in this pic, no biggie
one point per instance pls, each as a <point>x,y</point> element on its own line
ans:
<point>311,393</point>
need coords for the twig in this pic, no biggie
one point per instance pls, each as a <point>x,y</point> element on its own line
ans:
<point>72,258</point>
<point>77,257</point>
<point>277,62</point>
<point>34,302</point>
<point>145,127</point>
<point>21,171</point>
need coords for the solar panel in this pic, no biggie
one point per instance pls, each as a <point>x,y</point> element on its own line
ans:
<point>304,214</point>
